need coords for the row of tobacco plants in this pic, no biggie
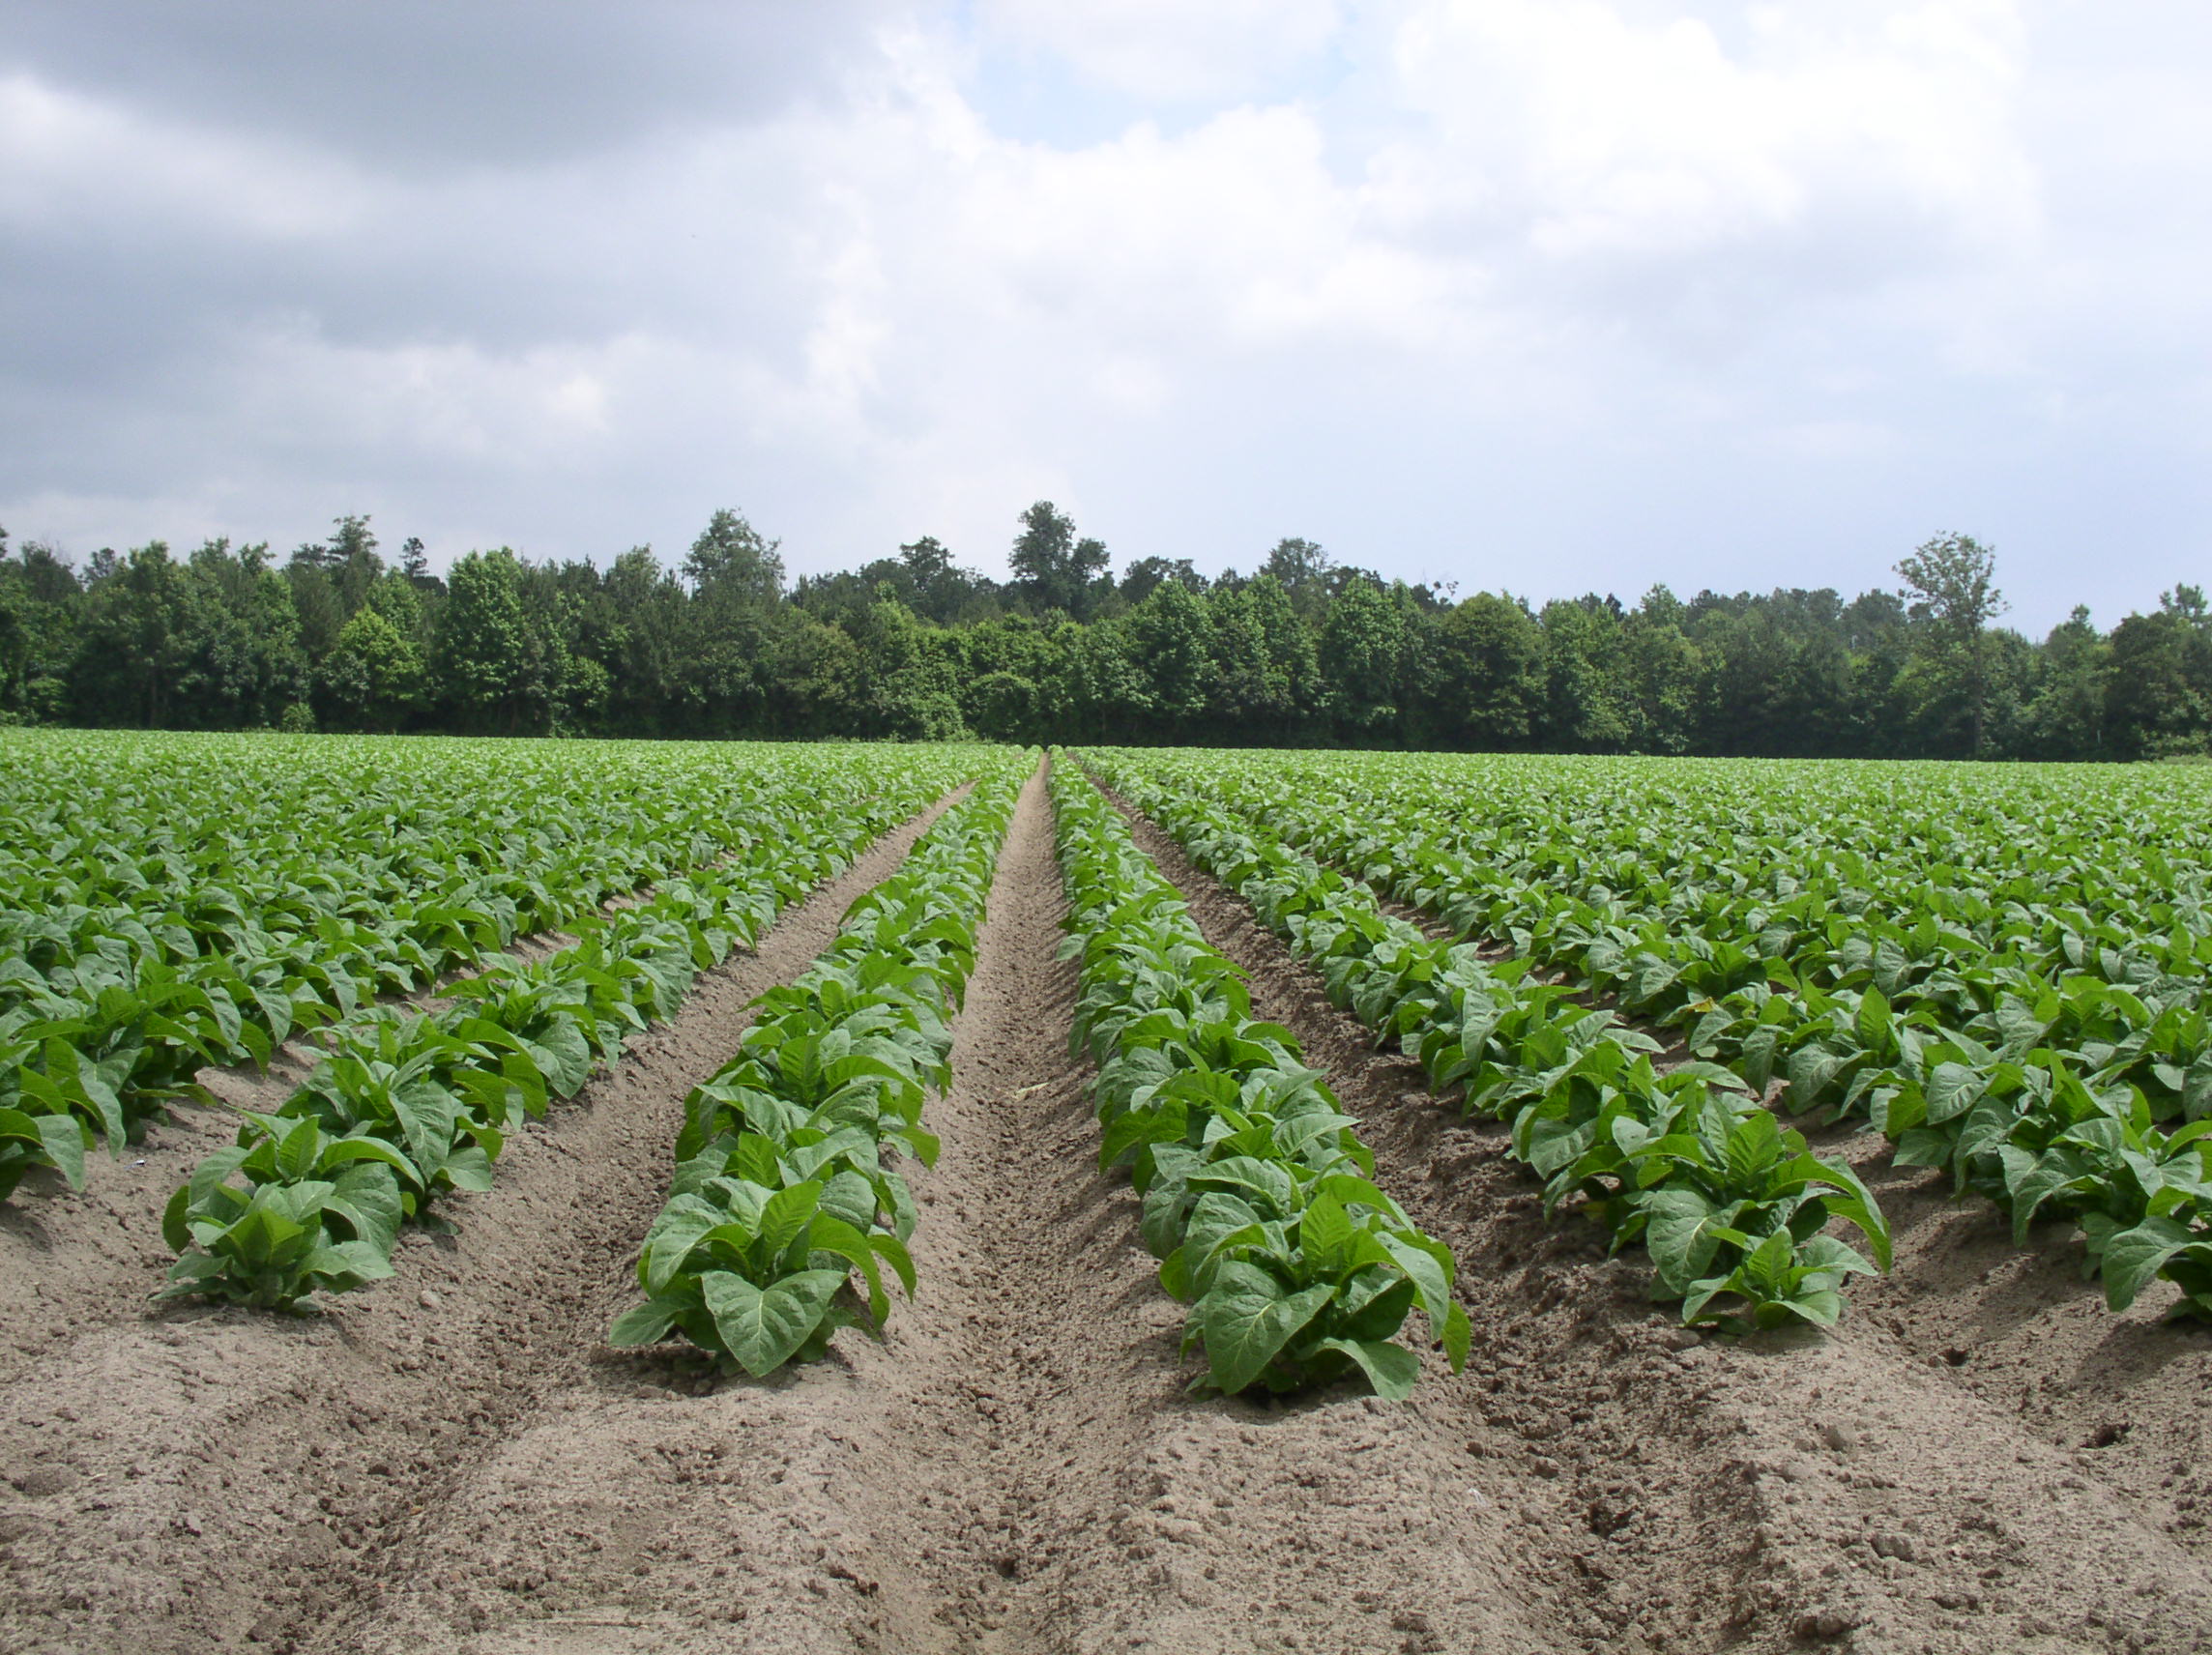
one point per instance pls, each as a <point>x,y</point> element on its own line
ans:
<point>788,1206</point>
<point>2004,973</point>
<point>1259,1197</point>
<point>1732,1206</point>
<point>405,1106</point>
<point>169,903</point>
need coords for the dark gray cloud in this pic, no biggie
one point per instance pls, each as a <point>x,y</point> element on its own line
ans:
<point>428,84</point>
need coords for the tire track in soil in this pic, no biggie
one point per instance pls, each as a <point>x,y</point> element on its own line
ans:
<point>201,1477</point>
<point>1772,1494</point>
<point>1015,1469</point>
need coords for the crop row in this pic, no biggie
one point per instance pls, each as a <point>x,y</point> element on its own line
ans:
<point>2043,1048</point>
<point>405,1106</point>
<point>787,1186</point>
<point>1259,1197</point>
<point>1732,1206</point>
<point>164,917</point>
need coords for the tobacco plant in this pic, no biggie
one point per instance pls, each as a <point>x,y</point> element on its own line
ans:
<point>787,1186</point>
<point>1258,1197</point>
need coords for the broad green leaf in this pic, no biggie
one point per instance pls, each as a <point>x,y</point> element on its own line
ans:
<point>1246,1319</point>
<point>762,1327</point>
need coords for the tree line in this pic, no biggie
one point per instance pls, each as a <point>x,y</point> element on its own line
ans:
<point>1301,650</point>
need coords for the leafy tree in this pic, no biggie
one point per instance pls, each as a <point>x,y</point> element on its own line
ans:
<point>1141,577</point>
<point>136,636</point>
<point>818,679</point>
<point>1002,706</point>
<point>1951,585</point>
<point>1362,654</point>
<point>1098,687</point>
<point>2158,700</point>
<point>415,562</point>
<point>487,653</point>
<point>1302,570</point>
<point>1052,568</point>
<point>1585,700</point>
<point>242,664</point>
<point>373,678</point>
<point>1487,673</point>
<point>1173,635</point>
<point>40,613</point>
<point>2066,718</point>
<point>637,630</point>
<point>732,560</point>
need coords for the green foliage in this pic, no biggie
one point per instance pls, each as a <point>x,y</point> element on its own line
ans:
<point>911,646</point>
<point>1730,1205</point>
<point>1298,1269</point>
<point>404,1107</point>
<point>2001,972</point>
<point>786,1186</point>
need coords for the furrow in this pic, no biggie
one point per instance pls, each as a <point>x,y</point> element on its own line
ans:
<point>207,1477</point>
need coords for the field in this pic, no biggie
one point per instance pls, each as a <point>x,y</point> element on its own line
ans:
<point>567,1199</point>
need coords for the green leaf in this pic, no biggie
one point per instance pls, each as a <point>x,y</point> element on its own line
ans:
<point>762,1327</point>
<point>646,1324</point>
<point>1390,1369</point>
<point>1873,1023</point>
<point>1325,1238</point>
<point>673,1235</point>
<point>787,1214</point>
<point>2134,1258</point>
<point>173,1229</point>
<point>62,1137</point>
<point>1429,1263</point>
<point>1246,1319</point>
<point>1456,1335</point>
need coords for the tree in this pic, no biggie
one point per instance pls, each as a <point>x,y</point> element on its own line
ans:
<point>1141,577</point>
<point>1173,635</point>
<point>1362,657</point>
<point>1584,678</point>
<point>2065,718</point>
<point>374,678</point>
<point>1052,568</point>
<point>734,559</point>
<point>1302,570</point>
<point>1487,673</point>
<point>2159,699</point>
<point>486,651</point>
<point>138,637</point>
<point>1950,584</point>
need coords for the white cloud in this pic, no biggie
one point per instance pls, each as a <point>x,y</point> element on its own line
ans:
<point>1597,136</point>
<point>1168,49</point>
<point>1556,276</point>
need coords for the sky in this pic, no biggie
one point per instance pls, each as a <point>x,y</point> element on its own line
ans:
<point>1542,296</point>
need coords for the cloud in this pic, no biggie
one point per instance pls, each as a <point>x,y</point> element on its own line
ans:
<point>1595,292</point>
<point>422,85</point>
<point>1168,49</point>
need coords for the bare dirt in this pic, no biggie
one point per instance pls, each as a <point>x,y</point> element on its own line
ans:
<point>72,1257</point>
<point>1867,1492</point>
<point>196,1478</point>
<point>453,1462</point>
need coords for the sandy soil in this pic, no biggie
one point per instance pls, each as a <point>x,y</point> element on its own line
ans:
<point>68,1258</point>
<point>1869,1492</point>
<point>1015,1469</point>
<point>196,1478</point>
<point>453,1462</point>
